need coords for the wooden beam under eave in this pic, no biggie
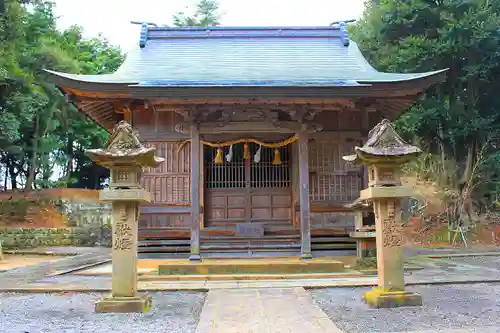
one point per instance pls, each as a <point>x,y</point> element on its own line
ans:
<point>98,109</point>
<point>101,95</point>
<point>288,127</point>
<point>254,101</point>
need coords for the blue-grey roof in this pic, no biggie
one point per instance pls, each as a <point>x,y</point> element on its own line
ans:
<point>225,56</point>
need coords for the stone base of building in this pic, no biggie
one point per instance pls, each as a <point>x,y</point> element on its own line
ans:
<point>379,298</point>
<point>140,303</point>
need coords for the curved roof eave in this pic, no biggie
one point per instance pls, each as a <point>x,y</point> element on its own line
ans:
<point>84,78</point>
<point>96,82</point>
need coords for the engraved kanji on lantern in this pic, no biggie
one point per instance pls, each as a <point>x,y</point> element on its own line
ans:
<point>383,153</point>
<point>125,157</point>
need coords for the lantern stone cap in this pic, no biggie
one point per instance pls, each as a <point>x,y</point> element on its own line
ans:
<point>383,144</point>
<point>125,149</point>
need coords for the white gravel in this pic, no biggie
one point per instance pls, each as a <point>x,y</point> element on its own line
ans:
<point>475,307</point>
<point>172,312</point>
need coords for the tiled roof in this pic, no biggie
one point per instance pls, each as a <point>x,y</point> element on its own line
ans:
<point>224,56</point>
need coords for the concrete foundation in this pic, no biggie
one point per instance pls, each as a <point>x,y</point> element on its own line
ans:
<point>380,298</point>
<point>139,303</point>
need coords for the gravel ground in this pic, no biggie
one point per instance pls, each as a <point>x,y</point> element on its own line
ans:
<point>466,306</point>
<point>172,312</point>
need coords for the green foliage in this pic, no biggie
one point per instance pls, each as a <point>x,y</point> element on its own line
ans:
<point>39,130</point>
<point>366,263</point>
<point>456,122</point>
<point>206,14</point>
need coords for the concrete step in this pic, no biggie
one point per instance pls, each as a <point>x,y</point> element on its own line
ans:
<point>252,266</point>
<point>244,277</point>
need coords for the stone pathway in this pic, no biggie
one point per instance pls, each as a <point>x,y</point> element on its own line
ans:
<point>263,311</point>
<point>83,257</point>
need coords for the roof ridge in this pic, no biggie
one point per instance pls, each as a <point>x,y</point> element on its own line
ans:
<point>259,31</point>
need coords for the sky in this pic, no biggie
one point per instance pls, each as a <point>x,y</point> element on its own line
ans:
<point>111,18</point>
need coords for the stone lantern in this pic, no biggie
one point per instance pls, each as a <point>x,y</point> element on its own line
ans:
<point>384,153</point>
<point>125,157</point>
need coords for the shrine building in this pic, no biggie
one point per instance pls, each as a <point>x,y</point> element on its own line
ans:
<point>252,123</point>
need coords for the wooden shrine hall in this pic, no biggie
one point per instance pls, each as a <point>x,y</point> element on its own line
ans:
<point>252,124</point>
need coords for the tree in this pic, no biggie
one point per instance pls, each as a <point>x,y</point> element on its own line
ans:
<point>39,130</point>
<point>206,14</point>
<point>457,120</point>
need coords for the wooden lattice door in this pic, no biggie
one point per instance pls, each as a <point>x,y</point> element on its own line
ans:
<point>243,191</point>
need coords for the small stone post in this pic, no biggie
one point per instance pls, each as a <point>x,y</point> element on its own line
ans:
<point>125,157</point>
<point>384,153</point>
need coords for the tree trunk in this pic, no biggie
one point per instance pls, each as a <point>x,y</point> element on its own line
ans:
<point>469,165</point>
<point>47,171</point>
<point>13,176</point>
<point>5,181</point>
<point>34,153</point>
<point>442,147</point>
<point>69,165</point>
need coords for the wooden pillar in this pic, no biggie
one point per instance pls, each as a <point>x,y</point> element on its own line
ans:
<point>305,207</point>
<point>195,193</point>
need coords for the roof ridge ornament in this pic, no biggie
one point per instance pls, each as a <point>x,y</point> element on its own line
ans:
<point>344,34</point>
<point>144,31</point>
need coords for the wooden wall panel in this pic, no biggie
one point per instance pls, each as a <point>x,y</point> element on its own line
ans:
<point>169,182</point>
<point>156,125</point>
<point>347,120</point>
<point>332,220</point>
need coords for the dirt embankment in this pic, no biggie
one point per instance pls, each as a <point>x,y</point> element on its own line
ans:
<point>427,193</point>
<point>38,209</point>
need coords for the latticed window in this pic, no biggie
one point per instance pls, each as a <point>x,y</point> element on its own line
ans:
<point>331,178</point>
<point>170,181</point>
